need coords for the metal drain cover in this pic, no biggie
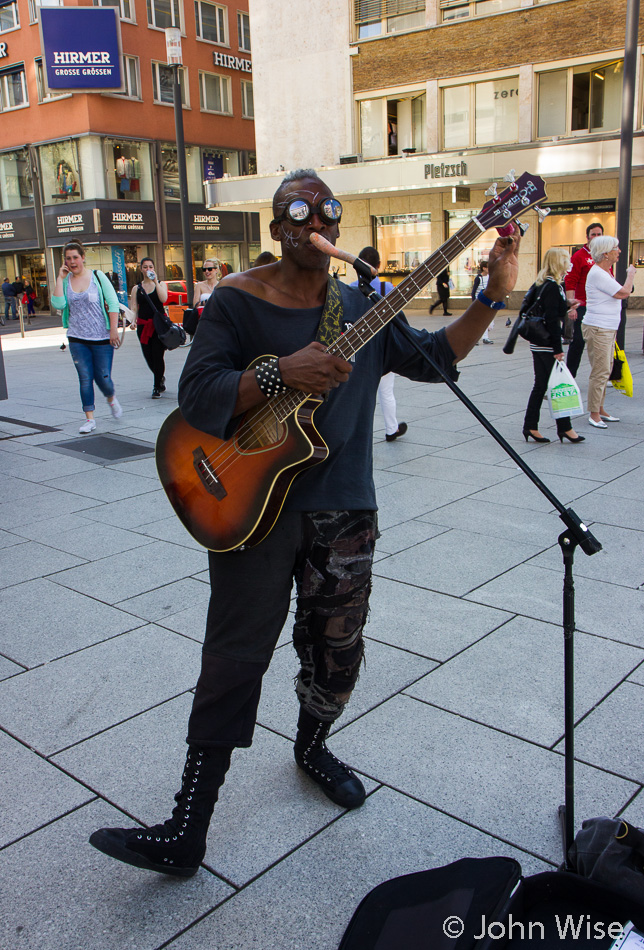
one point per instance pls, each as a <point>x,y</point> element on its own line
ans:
<point>103,449</point>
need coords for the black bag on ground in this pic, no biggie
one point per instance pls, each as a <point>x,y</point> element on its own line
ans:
<point>190,320</point>
<point>484,904</point>
<point>611,852</point>
<point>531,322</point>
<point>171,334</point>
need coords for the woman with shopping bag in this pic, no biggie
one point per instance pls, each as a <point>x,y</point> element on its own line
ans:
<point>555,307</point>
<point>599,327</point>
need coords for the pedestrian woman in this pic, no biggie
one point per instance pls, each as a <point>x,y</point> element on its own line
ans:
<point>28,297</point>
<point>442,289</point>
<point>145,298</point>
<point>599,326</point>
<point>204,288</point>
<point>90,311</point>
<point>552,296</point>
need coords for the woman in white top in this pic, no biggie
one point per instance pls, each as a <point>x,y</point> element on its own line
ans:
<point>601,321</point>
<point>204,288</point>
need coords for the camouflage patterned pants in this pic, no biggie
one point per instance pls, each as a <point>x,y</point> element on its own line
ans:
<point>329,555</point>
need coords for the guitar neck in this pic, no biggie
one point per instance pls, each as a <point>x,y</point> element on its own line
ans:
<point>385,310</point>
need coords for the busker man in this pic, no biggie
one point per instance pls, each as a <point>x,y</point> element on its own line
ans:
<point>575,283</point>
<point>325,535</point>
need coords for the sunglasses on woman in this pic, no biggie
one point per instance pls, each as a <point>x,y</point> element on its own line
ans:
<point>204,269</point>
<point>300,211</point>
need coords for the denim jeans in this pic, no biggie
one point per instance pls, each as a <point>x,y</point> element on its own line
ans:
<point>93,363</point>
<point>9,302</point>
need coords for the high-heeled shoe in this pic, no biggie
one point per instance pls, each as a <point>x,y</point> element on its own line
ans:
<point>564,435</point>
<point>530,435</point>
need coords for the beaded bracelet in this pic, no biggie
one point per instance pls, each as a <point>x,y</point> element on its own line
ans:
<point>269,379</point>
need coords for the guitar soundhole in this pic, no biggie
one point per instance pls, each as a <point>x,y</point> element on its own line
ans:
<point>207,474</point>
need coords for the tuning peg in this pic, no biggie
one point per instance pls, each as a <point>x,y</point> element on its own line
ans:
<point>542,213</point>
<point>511,175</point>
<point>522,227</point>
<point>491,191</point>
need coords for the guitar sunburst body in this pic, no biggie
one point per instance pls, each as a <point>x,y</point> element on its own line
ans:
<point>218,488</point>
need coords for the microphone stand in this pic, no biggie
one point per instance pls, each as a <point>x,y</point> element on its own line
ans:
<point>575,533</point>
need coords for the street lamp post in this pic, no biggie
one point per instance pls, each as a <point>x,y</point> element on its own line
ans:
<point>175,61</point>
<point>626,152</point>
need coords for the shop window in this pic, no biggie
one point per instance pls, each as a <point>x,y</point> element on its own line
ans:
<point>163,84</point>
<point>214,93</point>
<point>389,126</point>
<point>13,88</point>
<point>59,171</point>
<point>243,31</point>
<point>9,17</point>
<point>129,172</point>
<point>164,13</point>
<point>248,105</point>
<point>378,17</point>
<point>220,163</point>
<point>131,78</point>
<point>34,6</point>
<point>43,94</point>
<point>403,242</point>
<point>464,268</point>
<point>481,113</point>
<point>211,21</point>
<point>15,180</point>
<point>124,7</point>
<point>580,99</point>
<point>458,9</point>
<point>170,167</point>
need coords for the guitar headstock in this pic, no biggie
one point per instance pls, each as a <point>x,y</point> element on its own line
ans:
<point>520,195</point>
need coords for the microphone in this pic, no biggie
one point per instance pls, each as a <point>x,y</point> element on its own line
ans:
<point>363,269</point>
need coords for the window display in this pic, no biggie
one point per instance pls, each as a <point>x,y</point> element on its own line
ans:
<point>403,242</point>
<point>170,167</point>
<point>464,269</point>
<point>129,174</point>
<point>59,167</point>
<point>15,180</point>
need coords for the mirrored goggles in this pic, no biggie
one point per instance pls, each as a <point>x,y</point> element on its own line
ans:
<point>300,211</point>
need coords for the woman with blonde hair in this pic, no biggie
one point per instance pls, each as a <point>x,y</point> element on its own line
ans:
<point>549,288</point>
<point>211,276</point>
<point>599,327</point>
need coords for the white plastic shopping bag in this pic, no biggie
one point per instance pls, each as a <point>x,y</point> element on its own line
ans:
<point>564,396</point>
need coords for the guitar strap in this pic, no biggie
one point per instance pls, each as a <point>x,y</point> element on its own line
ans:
<point>330,327</point>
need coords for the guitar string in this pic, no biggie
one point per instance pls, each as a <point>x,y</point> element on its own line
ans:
<point>279,408</point>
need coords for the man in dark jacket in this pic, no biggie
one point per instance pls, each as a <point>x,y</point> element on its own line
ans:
<point>9,299</point>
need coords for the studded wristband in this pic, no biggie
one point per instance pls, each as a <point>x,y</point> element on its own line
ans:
<point>269,379</point>
<point>493,304</point>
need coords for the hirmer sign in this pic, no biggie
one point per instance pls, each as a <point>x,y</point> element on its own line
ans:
<point>81,49</point>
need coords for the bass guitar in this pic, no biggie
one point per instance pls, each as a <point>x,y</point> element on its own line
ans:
<point>229,493</point>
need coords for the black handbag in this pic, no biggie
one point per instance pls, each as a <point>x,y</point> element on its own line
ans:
<point>190,320</point>
<point>171,334</point>
<point>531,322</point>
<point>618,364</point>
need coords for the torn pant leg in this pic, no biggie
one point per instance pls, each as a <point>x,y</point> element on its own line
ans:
<point>334,582</point>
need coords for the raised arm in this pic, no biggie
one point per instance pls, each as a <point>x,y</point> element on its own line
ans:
<point>627,288</point>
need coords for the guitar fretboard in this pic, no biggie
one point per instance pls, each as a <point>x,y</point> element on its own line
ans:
<point>384,311</point>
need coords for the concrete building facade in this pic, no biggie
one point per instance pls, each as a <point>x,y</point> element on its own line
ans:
<point>398,102</point>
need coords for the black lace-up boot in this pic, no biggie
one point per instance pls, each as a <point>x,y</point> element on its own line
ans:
<point>336,779</point>
<point>178,845</point>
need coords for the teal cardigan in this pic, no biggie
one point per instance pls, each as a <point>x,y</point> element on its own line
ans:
<point>106,293</point>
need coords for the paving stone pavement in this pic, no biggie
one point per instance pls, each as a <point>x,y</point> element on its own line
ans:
<point>456,724</point>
